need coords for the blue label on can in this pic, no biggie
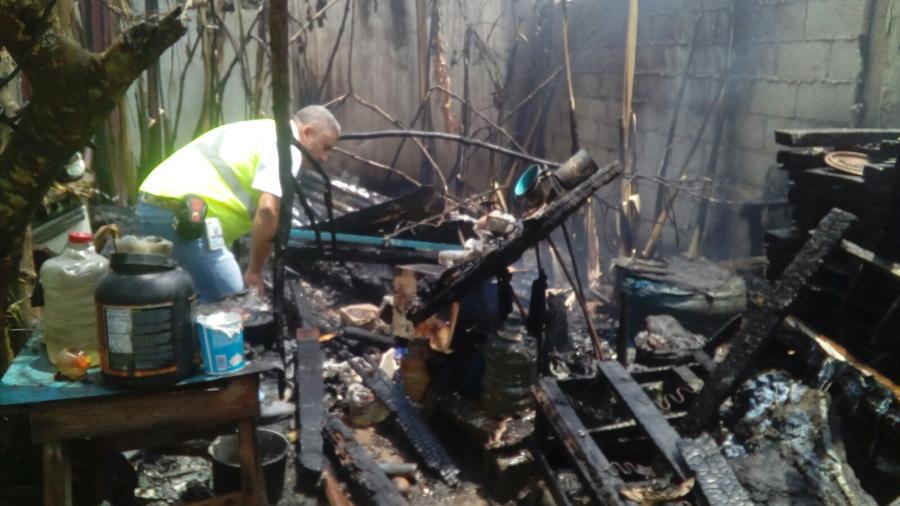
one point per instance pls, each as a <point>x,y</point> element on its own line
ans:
<point>221,353</point>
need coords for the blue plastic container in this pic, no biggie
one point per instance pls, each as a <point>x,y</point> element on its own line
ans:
<point>221,338</point>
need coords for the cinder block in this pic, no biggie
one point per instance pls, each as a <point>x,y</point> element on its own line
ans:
<point>701,92</point>
<point>803,60</point>
<point>585,60</point>
<point>590,107</point>
<point>709,60</point>
<point>774,98</point>
<point>755,59</point>
<point>748,30</point>
<point>747,130</point>
<point>587,84</point>
<point>846,61</point>
<point>789,20</point>
<point>828,102</point>
<point>651,146</point>
<point>606,132</point>
<point>706,28</point>
<point>835,19</point>
<point>754,167</point>
<point>610,86</point>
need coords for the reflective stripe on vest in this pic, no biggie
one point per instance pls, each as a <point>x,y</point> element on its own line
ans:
<point>211,151</point>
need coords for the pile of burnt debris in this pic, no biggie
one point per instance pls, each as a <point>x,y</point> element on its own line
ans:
<point>466,375</point>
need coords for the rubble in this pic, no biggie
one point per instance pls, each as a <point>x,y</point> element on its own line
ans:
<point>783,447</point>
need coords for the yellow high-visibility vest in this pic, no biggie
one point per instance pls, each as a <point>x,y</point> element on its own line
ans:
<point>218,166</point>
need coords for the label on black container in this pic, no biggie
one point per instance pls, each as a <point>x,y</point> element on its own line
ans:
<point>140,338</point>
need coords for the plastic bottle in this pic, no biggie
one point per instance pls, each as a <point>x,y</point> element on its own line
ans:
<point>510,369</point>
<point>69,280</point>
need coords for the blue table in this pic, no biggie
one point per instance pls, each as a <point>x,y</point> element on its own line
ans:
<point>61,411</point>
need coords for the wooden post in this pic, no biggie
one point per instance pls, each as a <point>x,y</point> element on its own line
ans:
<point>253,486</point>
<point>281,103</point>
<point>626,217</point>
<point>57,475</point>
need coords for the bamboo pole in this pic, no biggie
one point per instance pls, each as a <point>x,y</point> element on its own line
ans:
<point>627,219</point>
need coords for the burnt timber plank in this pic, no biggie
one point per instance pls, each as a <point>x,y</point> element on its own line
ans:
<point>716,480</point>
<point>839,137</point>
<point>809,158</point>
<point>370,484</point>
<point>591,465</point>
<point>310,406</point>
<point>457,281</point>
<point>646,414</point>
<point>764,314</point>
<point>417,432</point>
<point>870,258</point>
<point>368,337</point>
<point>556,490</point>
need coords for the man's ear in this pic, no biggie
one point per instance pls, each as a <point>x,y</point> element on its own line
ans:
<point>306,131</point>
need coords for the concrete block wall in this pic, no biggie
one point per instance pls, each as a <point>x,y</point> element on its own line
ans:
<point>795,63</point>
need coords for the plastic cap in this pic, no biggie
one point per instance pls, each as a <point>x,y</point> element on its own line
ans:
<point>80,237</point>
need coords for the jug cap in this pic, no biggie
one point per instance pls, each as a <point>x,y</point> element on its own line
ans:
<point>80,237</point>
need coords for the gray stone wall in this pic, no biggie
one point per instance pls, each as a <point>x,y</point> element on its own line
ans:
<point>796,63</point>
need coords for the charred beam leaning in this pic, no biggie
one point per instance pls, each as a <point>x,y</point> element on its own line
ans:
<point>370,484</point>
<point>764,315</point>
<point>417,432</point>
<point>310,406</point>
<point>591,465</point>
<point>646,414</point>
<point>456,282</point>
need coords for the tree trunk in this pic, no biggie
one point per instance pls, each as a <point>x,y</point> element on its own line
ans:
<point>73,92</point>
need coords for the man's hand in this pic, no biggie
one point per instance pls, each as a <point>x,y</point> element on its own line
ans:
<point>265,223</point>
<point>254,281</point>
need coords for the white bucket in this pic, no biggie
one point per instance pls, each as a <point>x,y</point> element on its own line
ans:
<point>221,342</point>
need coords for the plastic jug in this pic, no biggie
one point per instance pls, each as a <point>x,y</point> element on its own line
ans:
<point>69,280</point>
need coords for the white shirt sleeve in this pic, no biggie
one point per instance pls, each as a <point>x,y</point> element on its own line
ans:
<point>266,178</point>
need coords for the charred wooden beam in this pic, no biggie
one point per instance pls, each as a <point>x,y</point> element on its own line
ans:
<point>716,481</point>
<point>589,463</point>
<point>310,406</point>
<point>838,137</point>
<point>368,337</point>
<point>385,217</point>
<point>369,484</point>
<point>550,478</point>
<point>882,264</point>
<point>302,253</point>
<point>458,281</point>
<point>417,432</point>
<point>646,414</point>
<point>809,158</point>
<point>764,314</point>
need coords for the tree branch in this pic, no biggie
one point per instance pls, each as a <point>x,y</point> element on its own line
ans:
<point>74,90</point>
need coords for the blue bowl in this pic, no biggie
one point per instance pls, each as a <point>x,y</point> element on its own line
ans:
<point>526,181</point>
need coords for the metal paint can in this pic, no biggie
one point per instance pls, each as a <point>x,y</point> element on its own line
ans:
<point>221,342</point>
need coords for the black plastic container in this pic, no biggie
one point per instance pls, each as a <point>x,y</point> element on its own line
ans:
<point>145,313</point>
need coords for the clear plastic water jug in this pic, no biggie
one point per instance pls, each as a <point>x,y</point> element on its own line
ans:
<point>70,315</point>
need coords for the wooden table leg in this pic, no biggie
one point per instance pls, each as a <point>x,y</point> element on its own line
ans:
<point>57,475</point>
<point>253,487</point>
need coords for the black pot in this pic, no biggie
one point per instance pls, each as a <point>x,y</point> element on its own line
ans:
<point>259,329</point>
<point>225,453</point>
